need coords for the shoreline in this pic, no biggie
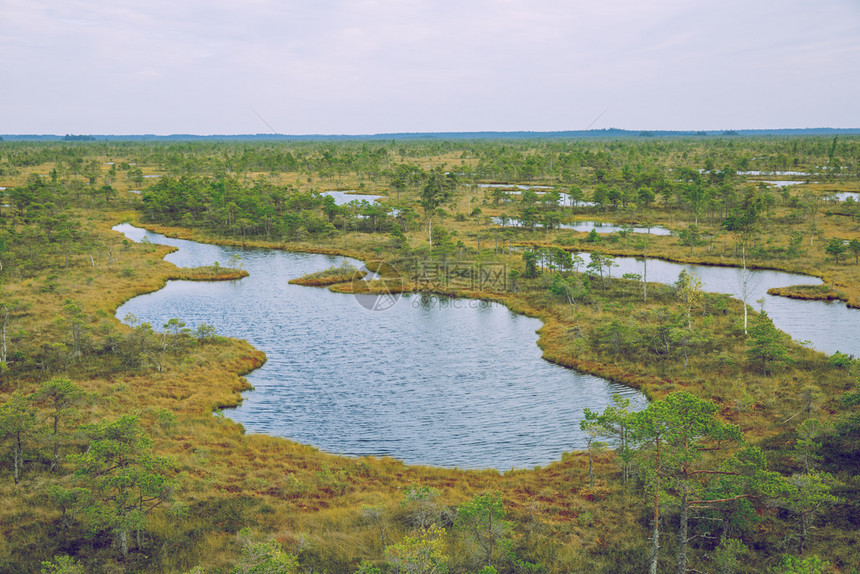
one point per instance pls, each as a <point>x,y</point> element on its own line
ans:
<point>514,303</point>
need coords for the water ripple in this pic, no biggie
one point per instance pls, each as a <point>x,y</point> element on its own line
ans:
<point>456,385</point>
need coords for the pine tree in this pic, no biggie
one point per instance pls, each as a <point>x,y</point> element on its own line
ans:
<point>767,343</point>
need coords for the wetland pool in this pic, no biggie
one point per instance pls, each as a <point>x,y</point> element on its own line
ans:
<point>442,382</point>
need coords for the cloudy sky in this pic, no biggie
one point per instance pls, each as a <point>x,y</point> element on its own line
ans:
<point>373,66</point>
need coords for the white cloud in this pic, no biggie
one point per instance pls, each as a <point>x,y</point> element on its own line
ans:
<point>358,66</point>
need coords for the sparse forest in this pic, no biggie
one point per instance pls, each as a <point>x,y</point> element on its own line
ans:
<point>115,455</point>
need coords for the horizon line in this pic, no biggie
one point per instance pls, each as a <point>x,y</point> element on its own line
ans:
<point>413,134</point>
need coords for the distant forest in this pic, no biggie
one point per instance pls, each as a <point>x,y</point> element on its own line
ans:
<point>601,133</point>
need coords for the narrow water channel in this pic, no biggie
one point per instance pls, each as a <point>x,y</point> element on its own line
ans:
<point>828,326</point>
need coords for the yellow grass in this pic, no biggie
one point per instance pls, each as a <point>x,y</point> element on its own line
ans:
<point>312,501</point>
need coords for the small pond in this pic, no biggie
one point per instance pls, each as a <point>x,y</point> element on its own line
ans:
<point>778,183</point>
<point>843,195</point>
<point>344,197</point>
<point>599,227</point>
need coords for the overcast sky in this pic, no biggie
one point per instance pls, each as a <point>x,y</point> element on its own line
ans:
<point>374,66</point>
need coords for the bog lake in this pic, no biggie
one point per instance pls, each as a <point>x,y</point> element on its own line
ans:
<point>429,380</point>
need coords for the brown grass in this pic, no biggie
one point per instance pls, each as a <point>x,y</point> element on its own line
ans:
<point>310,500</point>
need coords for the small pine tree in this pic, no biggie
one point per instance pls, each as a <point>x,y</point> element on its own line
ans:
<point>766,343</point>
<point>854,246</point>
<point>836,247</point>
<point>531,271</point>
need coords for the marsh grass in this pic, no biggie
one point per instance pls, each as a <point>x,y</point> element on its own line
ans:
<point>312,502</point>
<point>331,276</point>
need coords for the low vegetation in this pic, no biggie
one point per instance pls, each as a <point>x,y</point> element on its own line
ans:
<point>116,456</point>
<point>331,276</point>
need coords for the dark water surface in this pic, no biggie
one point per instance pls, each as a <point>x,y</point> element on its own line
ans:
<point>429,381</point>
